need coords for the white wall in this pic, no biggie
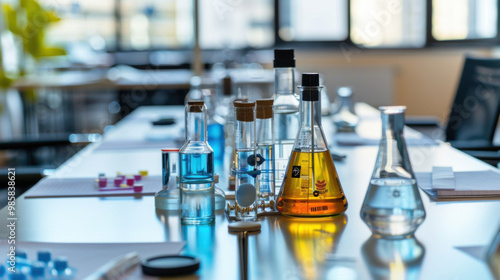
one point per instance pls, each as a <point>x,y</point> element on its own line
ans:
<point>424,80</point>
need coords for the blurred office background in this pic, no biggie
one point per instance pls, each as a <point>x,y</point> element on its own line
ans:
<point>71,67</point>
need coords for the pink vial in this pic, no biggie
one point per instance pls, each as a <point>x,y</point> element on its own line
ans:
<point>118,181</point>
<point>130,182</point>
<point>138,177</point>
<point>138,188</point>
<point>103,182</point>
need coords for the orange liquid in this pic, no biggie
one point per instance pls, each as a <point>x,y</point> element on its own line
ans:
<point>298,197</point>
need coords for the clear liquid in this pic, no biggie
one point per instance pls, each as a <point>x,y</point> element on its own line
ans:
<point>243,165</point>
<point>196,168</point>
<point>197,204</point>
<point>286,129</point>
<point>393,207</point>
<point>266,177</point>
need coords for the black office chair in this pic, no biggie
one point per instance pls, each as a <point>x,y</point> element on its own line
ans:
<point>474,114</point>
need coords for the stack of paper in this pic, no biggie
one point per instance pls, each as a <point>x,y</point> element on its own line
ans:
<point>444,183</point>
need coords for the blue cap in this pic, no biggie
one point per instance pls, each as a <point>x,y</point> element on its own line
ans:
<point>21,254</point>
<point>60,264</point>
<point>17,276</point>
<point>2,270</point>
<point>38,269</point>
<point>44,256</point>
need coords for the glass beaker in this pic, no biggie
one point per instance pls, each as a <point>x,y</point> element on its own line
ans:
<point>168,197</point>
<point>392,207</point>
<point>311,186</point>
<point>196,169</point>
<point>344,117</point>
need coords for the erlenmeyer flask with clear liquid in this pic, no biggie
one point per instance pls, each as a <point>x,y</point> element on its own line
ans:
<point>311,187</point>
<point>392,207</point>
<point>344,117</point>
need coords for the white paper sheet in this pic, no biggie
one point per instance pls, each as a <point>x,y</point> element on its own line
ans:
<point>81,187</point>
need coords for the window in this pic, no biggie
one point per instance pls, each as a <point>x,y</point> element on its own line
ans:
<point>313,20</point>
<point>464,19</point>
<point>382,23</point>
<point>89,20</point>
<point>236,24</point>
<point>156,24</point>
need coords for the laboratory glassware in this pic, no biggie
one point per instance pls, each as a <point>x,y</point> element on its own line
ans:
<point>265,149</point>
<point>311,187</point>
<point>168,198</point>
<point>286,110</point>
<point>245,161</point>
<point>344,117</point>
<point>392,207</point>
<point>196,169</point>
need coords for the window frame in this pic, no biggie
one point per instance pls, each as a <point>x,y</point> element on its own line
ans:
<point>430,41</point>
<point>433,42</point>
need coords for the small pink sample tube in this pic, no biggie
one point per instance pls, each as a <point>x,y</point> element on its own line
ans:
<point>103,182</point>
<point>138,177</point>
<point>137,188</point>
<point>130,182</point>
<point>118,181</point>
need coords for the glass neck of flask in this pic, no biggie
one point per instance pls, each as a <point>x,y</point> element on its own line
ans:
<point>284,80</point>
<point>392,124</point>
<point>310,110</point>
<point>196,126</point>
<point>346,103</point>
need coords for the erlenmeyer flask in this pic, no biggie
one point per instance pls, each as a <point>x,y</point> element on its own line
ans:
<point>311,186</point>
<point>392,207</point>
<point>344,117</point>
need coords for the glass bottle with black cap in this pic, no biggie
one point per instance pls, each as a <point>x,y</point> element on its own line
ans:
<point>311,187</point>
<point>286,110</point>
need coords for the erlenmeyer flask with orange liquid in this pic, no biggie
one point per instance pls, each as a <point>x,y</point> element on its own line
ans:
<point>311,187</point>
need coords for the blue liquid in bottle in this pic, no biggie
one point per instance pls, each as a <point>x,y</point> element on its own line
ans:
<point>197,189</point>
<point>196,169</point>
<point>216,139</point>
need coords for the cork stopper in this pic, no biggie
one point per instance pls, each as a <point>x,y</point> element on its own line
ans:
<point>195,106</point>
<point>242,99</point>
<point>244,111</point>
<point>265,108</point>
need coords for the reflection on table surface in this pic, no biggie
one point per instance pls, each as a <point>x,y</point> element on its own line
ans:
<point>393,258</point>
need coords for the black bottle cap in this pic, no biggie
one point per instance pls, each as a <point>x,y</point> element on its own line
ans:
<point>284,58</point>
<point>310,82</point>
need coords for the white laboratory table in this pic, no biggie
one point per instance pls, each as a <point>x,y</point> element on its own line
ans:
<point>285,248</point>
